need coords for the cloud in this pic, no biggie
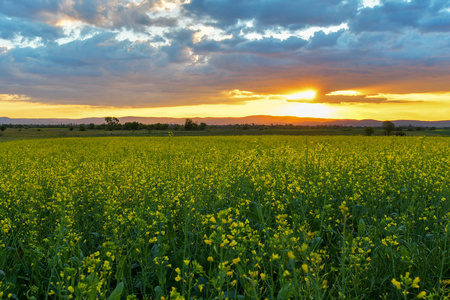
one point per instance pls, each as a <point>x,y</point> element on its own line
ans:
<point>339,99</point>
<point>11,28</point>
<point>110,14</point>
<point>29,9</point>
<point>156,53</point>
<point>439,23</point>
<point>285,13</point>
<point>398,15</point>
<point>321,39</point>
<point>13,98</point>
<point>271,45</point>
<point>264,46</point>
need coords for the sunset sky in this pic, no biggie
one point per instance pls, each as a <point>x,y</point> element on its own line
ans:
<point>379,59</point>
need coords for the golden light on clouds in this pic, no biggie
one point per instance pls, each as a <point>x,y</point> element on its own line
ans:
<point>420,106</point>
<point>250,105</point>
<point>209,32</point>
<point>68,23</point>
<point>169,5</point>
<point>344,93</point>
<point>442,97</point>
<point>13,98</point>
<point>304,95</point>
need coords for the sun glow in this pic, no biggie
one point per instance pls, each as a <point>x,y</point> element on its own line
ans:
<point>308,95</point>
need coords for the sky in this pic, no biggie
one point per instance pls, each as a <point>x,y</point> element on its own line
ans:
<point>358,59</point>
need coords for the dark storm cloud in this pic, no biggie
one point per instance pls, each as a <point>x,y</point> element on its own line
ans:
<point>291,14</point>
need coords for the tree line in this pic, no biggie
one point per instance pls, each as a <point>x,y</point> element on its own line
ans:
<point>113,123</point>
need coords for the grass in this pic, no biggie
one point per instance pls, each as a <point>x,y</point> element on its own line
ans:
<point>276,217</point>
<point>11,134</point>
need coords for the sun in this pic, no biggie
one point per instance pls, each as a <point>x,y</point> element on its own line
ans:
<point>305,95</point>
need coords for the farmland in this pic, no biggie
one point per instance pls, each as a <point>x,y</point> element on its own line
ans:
<point>238,217</point>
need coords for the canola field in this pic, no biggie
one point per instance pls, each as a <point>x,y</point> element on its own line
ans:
<point>273,217</point>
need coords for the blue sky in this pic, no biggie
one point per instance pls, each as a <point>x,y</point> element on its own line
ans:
<point>239,57</point>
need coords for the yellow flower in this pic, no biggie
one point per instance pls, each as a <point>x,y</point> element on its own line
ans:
<point>305,268</point>
<point>304,248</point>
<point>263,276</point>
<point>178,278</point>
<point>208,242</point>
<point>210,259</point>
<point>71,289</point>
<point>275,256</point>
<point>396,283</point>
<point>286,273</point>
<point>421,295</point>
<point>236,260</point>
<point>291,255</point>
<point>415,283</point>
<point>233,243</point>
<point>253,273</point>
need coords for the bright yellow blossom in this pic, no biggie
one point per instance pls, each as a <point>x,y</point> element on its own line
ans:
<point>396,283</point>
<point>421,295</point>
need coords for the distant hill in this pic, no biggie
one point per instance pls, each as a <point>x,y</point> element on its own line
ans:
<point>257,120</point>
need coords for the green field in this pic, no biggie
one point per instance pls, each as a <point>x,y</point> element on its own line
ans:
<point>237,217</point>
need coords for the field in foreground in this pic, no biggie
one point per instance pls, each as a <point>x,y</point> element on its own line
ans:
<point>225,217</point>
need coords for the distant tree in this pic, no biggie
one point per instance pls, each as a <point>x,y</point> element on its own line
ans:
<point>111,123</point>
<point>3,128</point>
<point>202,126</point>
<point>91,126</point>
<point>159,126</point>
<point>176,127</point>
<point>388,127</point>
<point>369,130</point>
<point>82,127</point>
<point>189,124</point>
<point>132,126</point>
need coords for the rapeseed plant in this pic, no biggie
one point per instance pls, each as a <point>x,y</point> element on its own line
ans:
<point>225,217</point>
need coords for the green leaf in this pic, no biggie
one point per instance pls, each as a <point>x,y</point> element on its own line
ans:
<point>115,295</point>
<point>361,227</point>
<point>285,292</point>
